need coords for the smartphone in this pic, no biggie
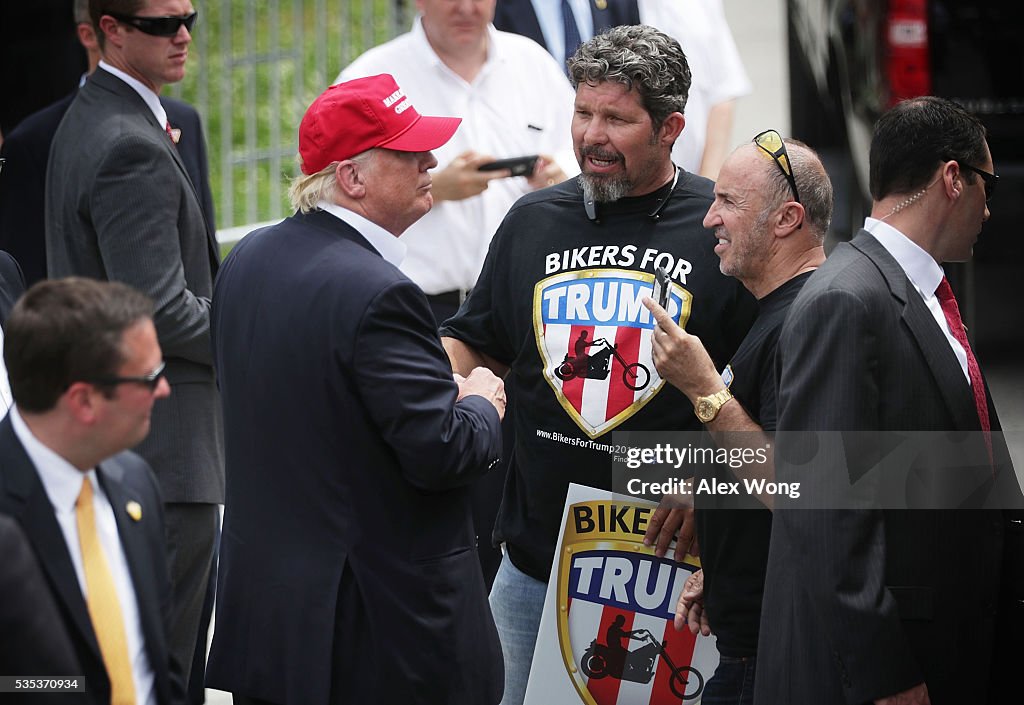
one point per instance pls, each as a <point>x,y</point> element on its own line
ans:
<point>520,166</point>
<point>662,287</point>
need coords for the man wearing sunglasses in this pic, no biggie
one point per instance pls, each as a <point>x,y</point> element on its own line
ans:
<point>873,595</point>
<point>85,370</point>
<point>121,206</point>
<point>770,236</point>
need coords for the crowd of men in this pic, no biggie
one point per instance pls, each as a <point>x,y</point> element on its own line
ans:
<point>343,406</point>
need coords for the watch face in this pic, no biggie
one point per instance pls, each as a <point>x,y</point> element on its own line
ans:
<point>705,409</point>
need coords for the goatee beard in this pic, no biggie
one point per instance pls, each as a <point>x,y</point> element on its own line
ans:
<point>604,189</point>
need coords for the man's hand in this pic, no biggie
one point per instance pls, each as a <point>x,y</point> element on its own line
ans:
<point>546,172</point>
<point>690,608</point>
<point>461,179</point>
<point>484,383</point>
<point>918,695</point>
<point>680,357</point>
<point>674,514</point>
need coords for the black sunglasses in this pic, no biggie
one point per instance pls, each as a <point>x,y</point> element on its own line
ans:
<point>772,143</point>
<point>152,380</point>
<point>991,180</point>
<point>157,26</point>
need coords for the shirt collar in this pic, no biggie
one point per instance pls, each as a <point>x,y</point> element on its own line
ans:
<point>384,242</point>
<point>61,480</point>
<point>921,268</point>
<point>145,92</point>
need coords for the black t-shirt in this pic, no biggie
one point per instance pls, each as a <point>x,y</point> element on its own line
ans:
<point>734,532</point>
<point>552,274</point>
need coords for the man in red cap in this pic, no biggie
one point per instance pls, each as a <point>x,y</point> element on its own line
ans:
<point>348,566</point>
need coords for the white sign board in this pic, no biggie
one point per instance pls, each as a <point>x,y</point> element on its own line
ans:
<point>606,635</point>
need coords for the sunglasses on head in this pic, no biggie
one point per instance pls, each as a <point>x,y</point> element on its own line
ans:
<point>771,142</point>
<point>991,180</point>
<point>157,26</point>
<point>152,380</point>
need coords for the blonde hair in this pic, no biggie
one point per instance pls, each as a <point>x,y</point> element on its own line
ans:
<point>306,192</point>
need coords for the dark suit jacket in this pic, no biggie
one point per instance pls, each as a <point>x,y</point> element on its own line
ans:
<point>348,567</point>
<point>125,477</point>
<point>12,285</point>
<point>121,206</point>
<point>35,642</point>
<point>23,180</point>
<point>861,603</point>
<point>519,16</point>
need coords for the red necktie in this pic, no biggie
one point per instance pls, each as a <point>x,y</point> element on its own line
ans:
<point>956,327</point>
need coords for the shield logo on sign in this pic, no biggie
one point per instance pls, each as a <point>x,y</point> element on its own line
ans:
<point>594,338</point>
<point>616,605</point>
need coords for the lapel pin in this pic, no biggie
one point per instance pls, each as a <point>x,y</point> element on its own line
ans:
<point>134,510</point>
<point>175,135</point>
<point>600,4</point>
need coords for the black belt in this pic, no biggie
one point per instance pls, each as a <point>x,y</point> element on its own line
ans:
<point>455,297</point>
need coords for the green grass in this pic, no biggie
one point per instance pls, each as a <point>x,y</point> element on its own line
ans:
<point>253,69</point>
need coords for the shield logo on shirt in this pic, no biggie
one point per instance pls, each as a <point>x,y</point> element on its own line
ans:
<point>594,338</point>
<point>616,606</point>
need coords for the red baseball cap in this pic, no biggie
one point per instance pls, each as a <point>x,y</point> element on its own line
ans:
<point>364,113</point>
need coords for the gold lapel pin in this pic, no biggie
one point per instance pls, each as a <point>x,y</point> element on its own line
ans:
<point>600,4</point>
<point>134,510</point>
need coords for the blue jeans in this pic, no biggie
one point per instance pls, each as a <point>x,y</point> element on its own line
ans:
<point>732,683</point>
<point>517,601</point>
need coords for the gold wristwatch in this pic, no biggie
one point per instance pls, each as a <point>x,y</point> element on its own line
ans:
<point>707,408</point>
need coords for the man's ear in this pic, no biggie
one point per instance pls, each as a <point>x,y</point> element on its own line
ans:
<point>790,219</point>
<point>80,400</point>
<point>349,179</point>
<point>671,129</point>
<point>112,31</point>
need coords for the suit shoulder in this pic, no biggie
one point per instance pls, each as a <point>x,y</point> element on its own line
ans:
<point>40,124</point>
<point>134,473</point>
<point>179,112</point>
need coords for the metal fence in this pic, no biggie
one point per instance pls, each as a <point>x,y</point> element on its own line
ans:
<point>253,69</point>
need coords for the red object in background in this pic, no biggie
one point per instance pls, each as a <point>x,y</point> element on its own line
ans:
<point>908,68</point>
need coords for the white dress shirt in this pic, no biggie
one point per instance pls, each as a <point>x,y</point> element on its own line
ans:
<point>151,98</point>
<point>717,72</point>
<point>552,27</point>
<point>389,246</point>
<point>519,103</point>
<point>923,272</point>
<point>63,483</point>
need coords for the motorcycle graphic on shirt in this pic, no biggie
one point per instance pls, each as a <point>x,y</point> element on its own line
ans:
<point>594,338</point>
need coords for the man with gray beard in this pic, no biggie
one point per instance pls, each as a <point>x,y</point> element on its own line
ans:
<point>576,258</point>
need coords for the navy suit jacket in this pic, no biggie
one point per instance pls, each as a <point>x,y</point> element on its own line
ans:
<point>857,599</point>
<point>23,180</point>
<point>519,16</point>
<point>125,477</point>
<point>35,642</point>
<point>348,565</point>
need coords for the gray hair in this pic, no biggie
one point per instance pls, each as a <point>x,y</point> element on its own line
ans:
<point>811,180</point>
<point>638,57</point>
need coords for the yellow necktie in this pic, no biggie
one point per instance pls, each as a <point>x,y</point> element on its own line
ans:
<point>101,599</point>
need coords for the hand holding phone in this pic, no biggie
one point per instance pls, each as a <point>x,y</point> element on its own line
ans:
<point>519,166</point>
